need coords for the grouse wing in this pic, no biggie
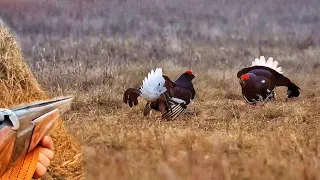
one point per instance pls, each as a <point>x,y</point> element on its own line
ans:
<point>130,96</point>
<point>178,102</point>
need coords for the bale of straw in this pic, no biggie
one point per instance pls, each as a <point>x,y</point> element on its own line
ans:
<point>18,85</point>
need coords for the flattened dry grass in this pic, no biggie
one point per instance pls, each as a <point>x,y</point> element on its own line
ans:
<point>219,137</point>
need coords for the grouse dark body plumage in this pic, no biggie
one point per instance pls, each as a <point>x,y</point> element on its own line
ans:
<point>259,81</point>
<point>162,94</point>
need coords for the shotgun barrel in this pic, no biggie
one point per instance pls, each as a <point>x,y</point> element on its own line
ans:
<point>23,127</point>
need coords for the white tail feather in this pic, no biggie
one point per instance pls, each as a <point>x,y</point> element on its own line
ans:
<point>270,63</point>
<point>179,101</point>
<point>153,85</point>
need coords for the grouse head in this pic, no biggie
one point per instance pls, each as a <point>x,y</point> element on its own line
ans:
<point>244,78</point>
<point>189,74</point>
<point>185,78</point>
<point>248,78</point>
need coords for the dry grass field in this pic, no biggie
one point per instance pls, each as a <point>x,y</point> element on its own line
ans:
<point>74,51</point>
<point>220,136</point>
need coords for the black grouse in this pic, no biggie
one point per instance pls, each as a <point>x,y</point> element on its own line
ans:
<point>161,94</point>
<point>259,81</point>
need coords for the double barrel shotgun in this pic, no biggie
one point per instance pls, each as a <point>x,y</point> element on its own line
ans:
<point>23,127</point>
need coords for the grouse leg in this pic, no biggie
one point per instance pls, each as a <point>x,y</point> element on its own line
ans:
<point>271,95</point>
<point>147,109</point>
<point>246,100</point>
<point>166,100</point>
<point>274,94</point>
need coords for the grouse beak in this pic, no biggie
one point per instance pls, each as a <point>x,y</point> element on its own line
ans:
<point>190,74</point>
<point>242,82</point>
<point>243,79</point>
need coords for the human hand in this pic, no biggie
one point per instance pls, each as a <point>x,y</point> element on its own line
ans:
<point>45,155</point>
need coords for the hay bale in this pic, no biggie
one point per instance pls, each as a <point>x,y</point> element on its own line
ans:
<point>18,85</point>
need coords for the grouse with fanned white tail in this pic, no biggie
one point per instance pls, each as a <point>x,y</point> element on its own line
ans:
<point>162,94</point>
<point>259,81</point>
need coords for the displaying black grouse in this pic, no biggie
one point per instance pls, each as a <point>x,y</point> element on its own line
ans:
<point>259,81</point>
<point>161,94</point>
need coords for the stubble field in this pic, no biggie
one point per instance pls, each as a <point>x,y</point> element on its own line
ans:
<point>219,137</point>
